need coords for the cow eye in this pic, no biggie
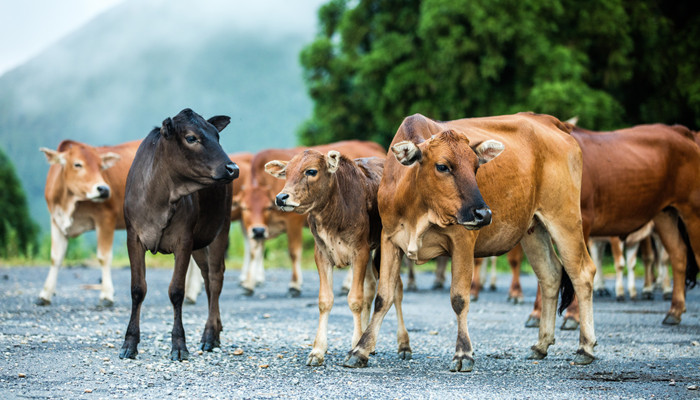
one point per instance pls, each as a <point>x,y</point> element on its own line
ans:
<point>78,165</point>
<point>442,167</point>
<point>191,138</point>
<point>311,172</point>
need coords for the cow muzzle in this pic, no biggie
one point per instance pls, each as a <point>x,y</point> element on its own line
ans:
<point>258,233</point>
<point>284,203</point>
<point>99,193</point>
<point>477,218</point>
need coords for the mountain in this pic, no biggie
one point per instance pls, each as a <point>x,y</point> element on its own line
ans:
<point>125,71</point>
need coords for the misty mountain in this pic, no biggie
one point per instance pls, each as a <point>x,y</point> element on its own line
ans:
<point>128,69</point>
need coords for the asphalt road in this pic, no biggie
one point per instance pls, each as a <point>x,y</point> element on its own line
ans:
<point>70,348</point>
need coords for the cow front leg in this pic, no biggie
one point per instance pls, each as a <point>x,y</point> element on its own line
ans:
<point>137,260</point>
<point>356,296</point>
<point>59,245</point>
<point>176,292</point>
<point>463,267</point>
<point>515,260</point>
<point>325,304</point>
<point>105,239</point>
<point>440,268</point>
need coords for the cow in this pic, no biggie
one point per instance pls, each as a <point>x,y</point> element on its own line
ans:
<point>264,221</point>
<point>178,201</point>
<point>635,175</point>
<point>475,188</point>
<point>85,191</point>
<point>339,195</point>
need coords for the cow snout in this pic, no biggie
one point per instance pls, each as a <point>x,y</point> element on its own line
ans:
<point>103,191</point>
<point>258,233</point>
<point>281,199</point>
<point>232,170</point>
<point>482,216</point>
<point>475,217</point>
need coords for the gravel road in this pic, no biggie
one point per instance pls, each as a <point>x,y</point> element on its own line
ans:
<point>70,349</point>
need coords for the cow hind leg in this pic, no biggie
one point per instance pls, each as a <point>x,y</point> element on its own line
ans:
<point>139,287</point>
<point>176,292</point>
<point>295,245</point>
<point>440,268</point>
<point>59,245</point>
<point>105,239</point>
<point>211,259</point>
<point>631,261</point>
<point>666,224</point>
<point>325,303</point>
<point>596,248</point>
<point>411,267</point>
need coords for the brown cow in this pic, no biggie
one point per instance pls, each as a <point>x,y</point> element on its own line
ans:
<point>340,197</point>
<point>640,174</point>
<point>531,195</point>
<point>264,221</point>
<point>178,200</point>
<point>85,191</point>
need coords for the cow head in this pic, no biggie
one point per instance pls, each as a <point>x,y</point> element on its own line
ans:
<point>81,169</point>
<point>309,177</point>
<point>446,176</point>
<point>256,207</point>
<point>192,149</point>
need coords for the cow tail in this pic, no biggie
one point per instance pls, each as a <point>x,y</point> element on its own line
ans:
<point>376,261</point>
<point>567,291</point>
<point>691,266</point>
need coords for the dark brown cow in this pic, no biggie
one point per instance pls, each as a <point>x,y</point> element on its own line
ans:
<point>264,221</point>
<point>640,174</point>
<point>178,201</point>
<point>340,197</point>
<point>85,191</point>
<point>431,204</point>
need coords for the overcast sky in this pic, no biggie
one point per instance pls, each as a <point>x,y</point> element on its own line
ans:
<point>29,26</point>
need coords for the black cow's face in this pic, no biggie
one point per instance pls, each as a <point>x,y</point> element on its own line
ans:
<point>193,148</point>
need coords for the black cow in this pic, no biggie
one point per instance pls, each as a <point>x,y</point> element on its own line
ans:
<point>178,201</point>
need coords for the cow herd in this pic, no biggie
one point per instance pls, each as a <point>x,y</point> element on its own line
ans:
<point>461,190</point>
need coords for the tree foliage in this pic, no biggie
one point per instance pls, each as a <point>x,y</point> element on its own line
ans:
<point>18,232</point>
<point>613,63</point>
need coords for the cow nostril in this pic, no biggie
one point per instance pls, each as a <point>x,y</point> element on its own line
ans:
<point>232,170</point>
<point>281,199</point>
<point>258,233</point>
<point>103,191</point>
<point>482,215</point>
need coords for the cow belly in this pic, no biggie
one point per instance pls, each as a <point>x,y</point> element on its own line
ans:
<point>338,251</point>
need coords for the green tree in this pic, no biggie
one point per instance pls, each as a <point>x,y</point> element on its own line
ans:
<point>614,63</point>
<point>18,232</point>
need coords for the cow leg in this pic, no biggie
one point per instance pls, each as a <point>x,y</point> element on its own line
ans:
<point>440,268</point>
<point>257,256</point>
<point>105,238</point>
<point>370,292</point>
<point>193,282</point>
<point>493,275</point>
<point>568,236</point>
<point>388,280</point>
<point>137,259</point>
<point>176,292</point>
<point>596,248</point>
<point>648,259</point>
<point>662,262</point>
<point>59,245</point>
<point>617,249</point>
<point>325,303</point>
<point>463,267</point>
<point>294,242</point>
<point>356,296</point>
<point>666,224</point>
<point>631,261</point>
<point>404,351</point>
<point>347,283</point>
<point>533,320</point>
<point>411,285</point>
<point>515,260</point>
<point>216,252</point>
<point>475,285</point>
<point>538,248</point>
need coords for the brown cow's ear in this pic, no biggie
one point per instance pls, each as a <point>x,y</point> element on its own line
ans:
<point>487,150</point>
<point>52,156</point>
<point>277,168</point>
<point>407,152</point>
<point>109,159</point>
<point>167,130</point>
<point>220,122</point>
<point>332,159</point>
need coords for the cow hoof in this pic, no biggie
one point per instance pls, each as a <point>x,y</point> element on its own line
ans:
<point>583,358</point>
<point>105,303</point>
<point>128,352</point>
<point>668,296</point>
<point>411,287</point>
<point>248,292</point>
<point>438,286</point>
<point>405,354</point>
<point>647,296</point>
<point>536,354</point>
<point>314,360</point>
<point>620,298</point>
<point>42,302</point>
<point>671,320</point>
<point>604,292</point>
<point>474,297</point>
<point>355,360</point>
<point>569,324</point>
<point>209,346</point>
<point>462,364</point>
<point>532,322</point>
<point>492,288</point>
<point>294,292</point>
<point>179,355</point>
<point>343,291</point>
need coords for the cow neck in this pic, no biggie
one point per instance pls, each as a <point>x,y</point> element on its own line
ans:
<point>334,207</point>
<point>64,204</point>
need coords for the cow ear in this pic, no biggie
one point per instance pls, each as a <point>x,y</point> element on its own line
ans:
<point>277,168</point>
<point>53,157</point>
<point>109,159</point>
<point>220,122</point>
<point>407,152</point>
<point>333,159</point>
<point>167,130</point>
<point>487,150</point>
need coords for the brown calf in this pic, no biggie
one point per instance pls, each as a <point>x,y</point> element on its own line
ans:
<point>178,200</point>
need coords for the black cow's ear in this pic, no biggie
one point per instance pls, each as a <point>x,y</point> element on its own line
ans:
<point>220,122</point>
<point>167,130</point>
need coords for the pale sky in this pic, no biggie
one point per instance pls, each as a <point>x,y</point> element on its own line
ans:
<point>29,26</point>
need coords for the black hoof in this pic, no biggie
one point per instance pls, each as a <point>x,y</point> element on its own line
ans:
<point>671,320</point>
<point>668,296</point>
<point>42,302</point>
<point>355,360</point>
<point>569,324</point>
<point>438,286</point>
<point>647,296</point>
<point>248,292</point>
<point>462,364</point>
<point>405,353</point>
<point>411,287</point>
<point>492,288</point>
<point>294,292</point>
<point>620,298</point>
<point>179,355</point>
<point>209,345</point>
<point>536,354</point>
<point>128,352</point>
<point>583,358</point>
<point>343,291</point>
<point>105,303</point>
<point>474,298</point>
<point>532,322</point>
